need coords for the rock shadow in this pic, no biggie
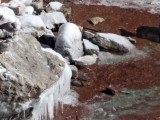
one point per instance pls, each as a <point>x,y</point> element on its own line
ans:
<point>145,32</point>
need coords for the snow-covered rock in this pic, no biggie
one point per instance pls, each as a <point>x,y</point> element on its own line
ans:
<point>32,24</point>
<point>68,42</point>
<point>28,10</point>
<point>90,48</point>
<point>53,6</point>
<point>86,60</point>
<point>113,42</point>
<point>50,19</point>
<point>7,16</point>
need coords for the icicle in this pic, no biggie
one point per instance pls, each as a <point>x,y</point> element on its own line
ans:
<point>50,97</point>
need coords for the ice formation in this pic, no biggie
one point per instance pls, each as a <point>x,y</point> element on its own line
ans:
<point>50,97</point>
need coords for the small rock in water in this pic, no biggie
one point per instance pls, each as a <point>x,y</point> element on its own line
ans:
<point>133,41</point>
<point>86,60</point>
<point>76,83</point>
<point>83,77</point>
<point>108,91</point>
<point>90,48</point>
<point>96,20</point>
<point>74,71</point>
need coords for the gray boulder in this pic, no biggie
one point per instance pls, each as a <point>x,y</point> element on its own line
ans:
<point>90,48</point>
<point>113,42</point>
<point>25,73</point>
<point>74,71</point>
<point>68,42</point>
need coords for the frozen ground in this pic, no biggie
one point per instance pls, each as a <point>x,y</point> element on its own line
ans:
<point>152,6</point>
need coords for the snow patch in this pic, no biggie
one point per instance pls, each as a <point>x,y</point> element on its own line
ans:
<point>48,100</point>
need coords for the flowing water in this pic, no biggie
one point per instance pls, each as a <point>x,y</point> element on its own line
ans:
<point>138,102</point>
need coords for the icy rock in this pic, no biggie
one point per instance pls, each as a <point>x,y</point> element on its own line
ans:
<point>53,6</point>
<point>68,42</point>
<point>32,24</point>
<point>74,71</point>
<point>30,72</point>
<point>37,4</point>
<point>86,60</point>
<point>90,48</point>
<point>113,42</point>
<point>29,10</point>
<point>9,17</point>
<point>50,19</point>
<point>88,35</point>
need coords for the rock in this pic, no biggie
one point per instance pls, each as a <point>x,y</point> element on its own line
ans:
<point>68,42</point>
<point>74,71</point>
<point>28,71</point>
<point>47,40</point>
<point>133,41</point>
<point>88,35</point>
<point>67,13</point>
<point>53,6</point>
<point>76,83</point>
<point>32,24</point>
<point>52,19</point>
<point>9,17</point>
<point>96,20</point>
<point>90,48</point>
<point>19,10</point>
<point>83,77</point>
<point>37,4</point>
<point>86,60</point>
<point>109,91</point>
<point>4,45</point>
<point>5,35</point>
<point>113,42</point>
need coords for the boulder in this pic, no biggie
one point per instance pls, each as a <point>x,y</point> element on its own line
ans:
<point>29,73</point>
<point>90,48</point>
<point>52,19</point>
<point>53,6</point>
<point>74,71</point>
<point>113,42</point>
<point>37,4</point>
<point>86,60</point>
<point>88,35</point>
<point>32,24</point>
<point>68,42</point>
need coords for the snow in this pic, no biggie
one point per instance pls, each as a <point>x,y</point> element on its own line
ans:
<point>29,10</point>
<point>13,3</point>
<point>32,24</point>
<point>53,18</point>
<point>118,39</point>
<point>54,6</point>
<point>7,15</point>
<point>49,99</point>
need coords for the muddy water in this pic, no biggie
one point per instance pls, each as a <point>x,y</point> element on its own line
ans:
<point>128,102</point>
